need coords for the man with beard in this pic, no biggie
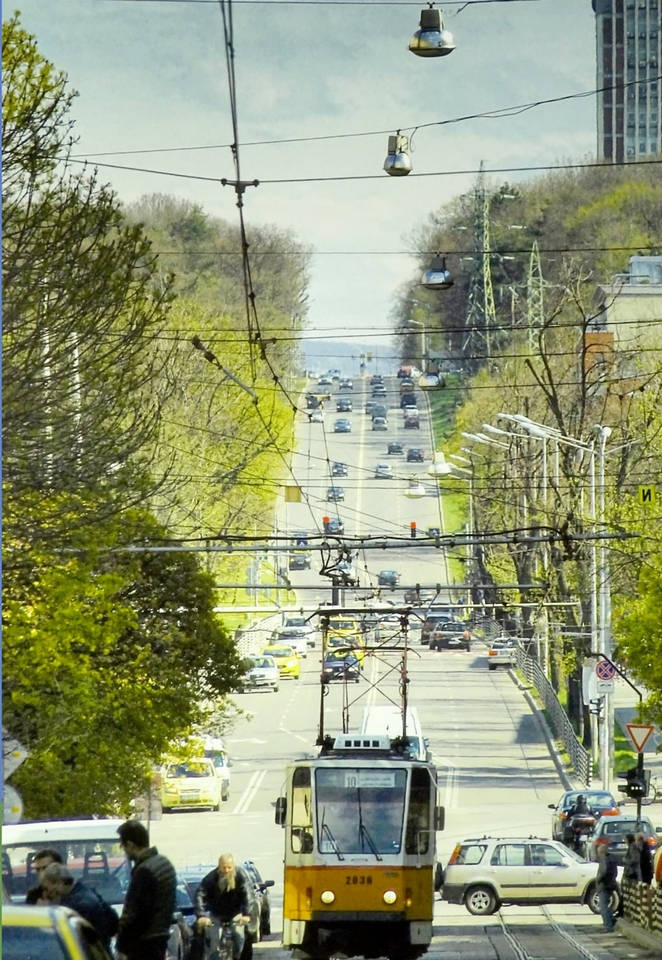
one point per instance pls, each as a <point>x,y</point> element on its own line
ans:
<point>225,894</point>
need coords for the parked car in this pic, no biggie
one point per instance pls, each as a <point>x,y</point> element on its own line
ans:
<point>338,469</point>
<point>388,578</point>
<point>450,635</point>
<point>339,666</point>
<point>190,784</point>
<point>486,873</point>
<point>342,425</point>
<point>379,423</point>
<point>334,526</point>
<point>611,832</point>
<point>344,405</point>
<point>415,455</point>
<point>394,448</point>
<point>600,801</point>
<point>286,659</point>
<point>384,471</point>
<point>334,494</point>
<point>48,932</point>
<point>317,416</point>
<point>501,653</point>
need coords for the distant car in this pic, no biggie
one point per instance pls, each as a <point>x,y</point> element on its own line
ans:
<point>324,381</point>
<point>384,471</point>
<point>48,932</point>
<point>450,635</point>
<point>190,784</point>
<point>412,422</point>
<point>370,405</point>
<point>344,405</point>
<point>261,674</point>
<point>334,526</point>
<point>501,653</point>
<point>611,832</point>
<point>286,659</point>
<point>338,469</point>
<point>432,619</point>
<point>485,873</point>
<point>317,416</point>
<point>296,637</point>
<point>600,801</point>
<point>335,493</point>
<point>380,410</point>
<point>338,667</point>
<point>379,390</point>
<point>311,633</point>
<point>380,423</point>
<point>342,425</point>
<point>312,402</point>
<point>415,455</point>
<point>301,560</point>
<point>395,448</point>
<point>388,578</point>
<point>346,384</point>
<point>214,750</point>
<point>408,400</point>
<point>433,532</point>
<point>376,378</point>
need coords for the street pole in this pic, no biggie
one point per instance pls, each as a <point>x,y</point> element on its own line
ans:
<point>604,644</point>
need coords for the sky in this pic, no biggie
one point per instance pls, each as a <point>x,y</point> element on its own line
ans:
<point>152,75</point>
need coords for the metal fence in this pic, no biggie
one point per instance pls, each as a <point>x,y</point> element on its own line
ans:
<point>558,718</point>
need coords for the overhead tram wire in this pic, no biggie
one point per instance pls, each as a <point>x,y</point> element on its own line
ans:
<point>496,113</point>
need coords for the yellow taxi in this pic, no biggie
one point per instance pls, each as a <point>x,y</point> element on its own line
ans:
<point>346,631</point>
<point>54,932</point>
<point>286,657</point>
<point>191,783</point>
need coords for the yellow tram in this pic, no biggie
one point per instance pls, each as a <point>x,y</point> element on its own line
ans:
<point>360,822</point>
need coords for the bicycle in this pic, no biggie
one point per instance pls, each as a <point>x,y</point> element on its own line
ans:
<point>654,792</point>
<point>217,939</point>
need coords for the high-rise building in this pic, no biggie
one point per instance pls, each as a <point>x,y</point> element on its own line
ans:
<point>628,58</point>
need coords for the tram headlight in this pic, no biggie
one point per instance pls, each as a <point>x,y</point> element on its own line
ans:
<point>327,896</point>
<point>390,896</point>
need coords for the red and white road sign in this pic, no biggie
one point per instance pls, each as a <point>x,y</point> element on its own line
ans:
<point>639,734</point>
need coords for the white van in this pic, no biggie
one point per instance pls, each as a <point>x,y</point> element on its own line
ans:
<point>388,719</point>
<point>90,848</point>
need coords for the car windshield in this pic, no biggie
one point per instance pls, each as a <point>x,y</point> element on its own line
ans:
<point>611,828</point>
<point>599,800</point>
<point>360,810</point>
<point>191,770</point>
<point>263,662</point>
<point>342,625</point>
<point>281,652</point>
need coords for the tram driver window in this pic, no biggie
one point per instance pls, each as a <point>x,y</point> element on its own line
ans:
<point>417,838</point>
<point>301,830</point>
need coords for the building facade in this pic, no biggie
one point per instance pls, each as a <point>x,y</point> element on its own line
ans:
<point>628,58</point>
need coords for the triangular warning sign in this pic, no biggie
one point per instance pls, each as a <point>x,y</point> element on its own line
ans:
<point>639,734</point>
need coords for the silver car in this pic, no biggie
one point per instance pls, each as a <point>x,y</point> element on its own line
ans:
<point>262,674</point>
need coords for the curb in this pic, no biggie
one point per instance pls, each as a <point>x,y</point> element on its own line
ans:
<point>644,938</point>
<point>546,732</point>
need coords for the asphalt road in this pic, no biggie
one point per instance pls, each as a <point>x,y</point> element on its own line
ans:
<point>496,775</point>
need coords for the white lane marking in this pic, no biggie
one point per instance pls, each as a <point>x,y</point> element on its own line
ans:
<point>247,796</point>
<point>451,793</point>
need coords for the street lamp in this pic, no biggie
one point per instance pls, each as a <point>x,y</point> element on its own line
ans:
<point>437,277</point>
<point>398,161</point>
<point>432,40</point>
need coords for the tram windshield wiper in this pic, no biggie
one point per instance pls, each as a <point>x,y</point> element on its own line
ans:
<point>363,830</point>
<point>326,832</point>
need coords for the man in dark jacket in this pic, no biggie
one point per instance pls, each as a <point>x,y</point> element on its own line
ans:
<point>226,893</point>
<point>60,886</point>
<point>150,900</point>
<point>606,883</point>
<point>645,858</point>
<point>42,859</point>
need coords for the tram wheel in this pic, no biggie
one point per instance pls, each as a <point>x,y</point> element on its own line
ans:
<point>480,901</point>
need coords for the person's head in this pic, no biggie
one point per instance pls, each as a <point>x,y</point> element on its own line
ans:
<point>227,869</point>
<point>56,881</point>
<point>43,858</point>
<point>133,837</point>
<point>581,800</point>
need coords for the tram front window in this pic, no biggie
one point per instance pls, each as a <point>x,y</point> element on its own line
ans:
<point>360,810</point>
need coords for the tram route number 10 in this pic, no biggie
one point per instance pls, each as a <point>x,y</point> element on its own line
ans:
<point>369,778</point>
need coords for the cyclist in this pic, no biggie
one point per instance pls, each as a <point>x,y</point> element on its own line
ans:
<point>226,895</point>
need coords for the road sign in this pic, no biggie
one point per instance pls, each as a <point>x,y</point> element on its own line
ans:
<point>12,804</point>
<point>604,670</point>
<point>646,494</point>
<point>603,686</point>
<point>639,734</point>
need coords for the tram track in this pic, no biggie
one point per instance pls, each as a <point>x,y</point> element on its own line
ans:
<point>545,948</point>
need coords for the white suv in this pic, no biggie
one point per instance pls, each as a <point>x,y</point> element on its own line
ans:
<point>486,873</point>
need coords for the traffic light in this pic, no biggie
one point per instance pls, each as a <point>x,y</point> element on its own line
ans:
<point>638,782</point>
<point>412,530</point>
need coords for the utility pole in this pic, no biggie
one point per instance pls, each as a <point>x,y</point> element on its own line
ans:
<point>481,315</point>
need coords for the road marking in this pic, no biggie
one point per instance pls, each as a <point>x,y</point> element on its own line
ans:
<point>451,793</point>
<point>247,796</point>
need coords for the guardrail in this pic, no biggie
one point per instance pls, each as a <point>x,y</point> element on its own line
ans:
<point>559,721</point>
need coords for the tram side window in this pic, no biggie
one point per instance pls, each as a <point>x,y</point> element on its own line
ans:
<point>301,820</point>
<point>417,838</point>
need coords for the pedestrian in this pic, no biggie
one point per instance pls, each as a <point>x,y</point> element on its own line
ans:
<point>606,884</point>
<point>645,858</point>
<point>40,861</point>
<point>632,860</point>
<point>149,904</point>
<point>60,886</point>
<point>225,893</point>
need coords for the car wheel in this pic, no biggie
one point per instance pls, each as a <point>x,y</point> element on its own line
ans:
<point>275,689</point>
<point>225,797</point>
<point>217,806</point>
<point>491,666</point>
<point>593,900</point>
<point>481,901</point>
